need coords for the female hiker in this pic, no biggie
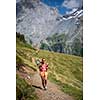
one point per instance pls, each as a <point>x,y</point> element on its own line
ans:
<point>43,67</point>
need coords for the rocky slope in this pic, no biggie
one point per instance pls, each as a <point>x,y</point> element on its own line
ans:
<point>35,20</point>
<point>38,22</point>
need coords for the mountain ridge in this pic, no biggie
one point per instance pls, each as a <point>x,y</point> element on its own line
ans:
<point>37,22</point>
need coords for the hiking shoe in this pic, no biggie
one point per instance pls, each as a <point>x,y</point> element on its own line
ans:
<point>45,88</point>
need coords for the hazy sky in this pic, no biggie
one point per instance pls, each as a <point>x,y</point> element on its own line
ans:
<point>64,6</point>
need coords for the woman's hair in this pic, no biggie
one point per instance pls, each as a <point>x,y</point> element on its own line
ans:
<point>43,60</point>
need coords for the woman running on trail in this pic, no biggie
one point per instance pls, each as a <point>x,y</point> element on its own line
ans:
<point>43,67</point>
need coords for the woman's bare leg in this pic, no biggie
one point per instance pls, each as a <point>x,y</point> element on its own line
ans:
<point>43,82</point>
<point>42,79</point>
<point>46,80</point>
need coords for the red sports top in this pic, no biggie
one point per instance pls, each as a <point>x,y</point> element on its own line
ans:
<point>43,67</point>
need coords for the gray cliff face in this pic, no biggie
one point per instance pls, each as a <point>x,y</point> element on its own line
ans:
<point>35,21</point>
<point>48,29</point>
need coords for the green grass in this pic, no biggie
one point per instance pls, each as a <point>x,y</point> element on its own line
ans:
<point>24,91</point>
<point>64,70</point>
<point>68,89</point>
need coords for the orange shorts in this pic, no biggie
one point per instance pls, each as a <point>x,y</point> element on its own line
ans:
<point>44,75</point>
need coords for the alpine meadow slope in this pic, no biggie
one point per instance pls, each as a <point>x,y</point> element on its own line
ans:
<point>64,70</point>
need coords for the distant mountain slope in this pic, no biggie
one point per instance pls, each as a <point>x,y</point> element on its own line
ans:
<point>38,22</point>
<point>68,38</point>
<point>35,19</point>
<point>64,70</point>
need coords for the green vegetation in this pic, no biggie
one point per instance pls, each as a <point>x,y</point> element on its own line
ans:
<point>77,47</point>
<point>64,70</point>
<point>71,90</point>
<point>24,91</point>
<point>58,43</point>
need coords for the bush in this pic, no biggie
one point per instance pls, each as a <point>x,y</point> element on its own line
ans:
<point>20,37</point>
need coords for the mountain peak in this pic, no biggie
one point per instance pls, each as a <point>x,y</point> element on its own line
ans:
<point>38,21</point>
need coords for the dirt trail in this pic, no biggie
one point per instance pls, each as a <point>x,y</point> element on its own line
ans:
<point>52,93</point>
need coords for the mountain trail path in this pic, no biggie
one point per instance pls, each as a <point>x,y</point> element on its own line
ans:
<point>53,91</point>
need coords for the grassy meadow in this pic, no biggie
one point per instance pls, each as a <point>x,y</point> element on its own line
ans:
<point>64,70</point>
